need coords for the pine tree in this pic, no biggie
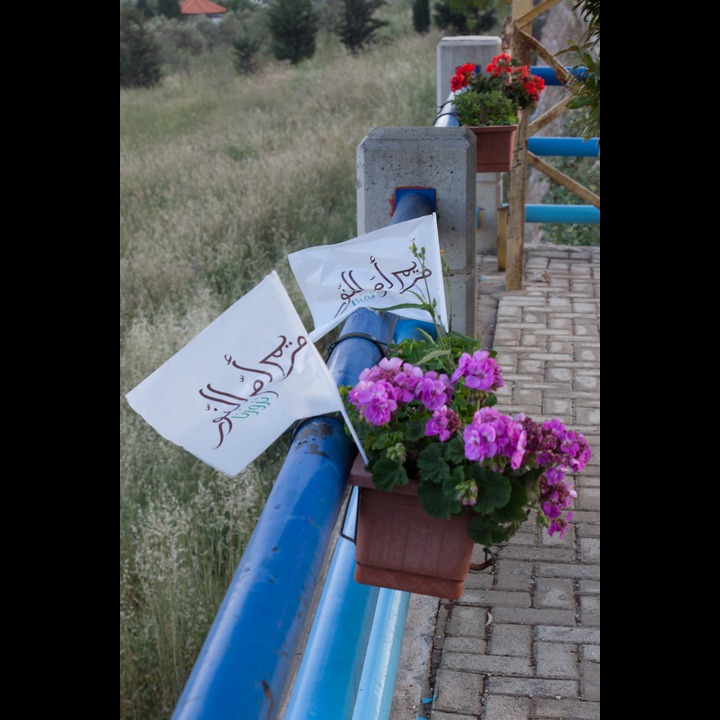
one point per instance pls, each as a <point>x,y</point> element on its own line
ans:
<point>357,27</point>
<point>245,49</point>
<point>421,16</point>
<point>169,8</point>
<point>139,51</point>
<point>293,25</point>
<point>465,17</point>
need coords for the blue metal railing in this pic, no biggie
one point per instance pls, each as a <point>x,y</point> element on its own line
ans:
<point>246,661</point>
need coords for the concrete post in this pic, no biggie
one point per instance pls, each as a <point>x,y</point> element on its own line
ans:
<point>441,158</point>
<point>479,50</point>
<point>454,51</point>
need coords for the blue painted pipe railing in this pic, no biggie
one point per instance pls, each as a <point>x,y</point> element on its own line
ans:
<point>245,662</point>
<point>328,679</point>
<point>563,146</point>
<point>547,73</point>
<point>562,214</point>
<point>549,76</point>
<point>349,663</point>
<point>377,684</point>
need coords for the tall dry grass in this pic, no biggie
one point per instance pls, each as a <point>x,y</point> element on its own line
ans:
<point>221,177</point>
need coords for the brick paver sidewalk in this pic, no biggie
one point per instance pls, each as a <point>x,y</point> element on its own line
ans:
<point>523,642</point>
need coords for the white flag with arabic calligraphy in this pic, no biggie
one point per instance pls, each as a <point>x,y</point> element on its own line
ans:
<point>240,383</point>
<point>376,270</point>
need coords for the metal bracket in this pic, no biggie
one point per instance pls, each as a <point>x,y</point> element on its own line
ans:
<point>487,563</point>
<point>345,514</point>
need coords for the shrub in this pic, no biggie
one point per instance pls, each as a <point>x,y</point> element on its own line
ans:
<point>586,53</point>
<point>421,15</point>
<point>169,8</point>
<point>139,51</point>
<point>465,17</point>
<point>245,51</point>
<point>293,25</point>
<point>357,27</point>
<point>178,41</point>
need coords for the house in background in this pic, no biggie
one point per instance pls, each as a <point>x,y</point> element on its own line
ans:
<point>211,10</point>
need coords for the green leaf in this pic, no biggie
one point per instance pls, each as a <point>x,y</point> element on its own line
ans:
<point>515,509</point>
<point>436,502</point>
<point>455,451</point>
<point>494,489</point>
<point>432,355</point>
<point>486,531</point>
<point>431,464</point>
<point>386,474</point>
<point>418,306</point>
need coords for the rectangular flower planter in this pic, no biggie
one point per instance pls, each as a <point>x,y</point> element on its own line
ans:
<point>400,546</point>
<point>495,147</point>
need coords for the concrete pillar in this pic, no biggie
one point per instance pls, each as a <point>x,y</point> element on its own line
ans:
<point>479,50</point>
<point>440,158</point>
<point>454,51</point>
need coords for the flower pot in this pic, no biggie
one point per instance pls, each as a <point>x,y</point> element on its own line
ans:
<point>495,146</point>
<point>400,546</point>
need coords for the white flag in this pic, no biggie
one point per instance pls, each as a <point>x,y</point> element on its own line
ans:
<point>376,270</point>
<point>239,384</point>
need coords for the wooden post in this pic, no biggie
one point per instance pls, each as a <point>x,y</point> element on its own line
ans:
<point>502,238</point>
<point>518,174</point>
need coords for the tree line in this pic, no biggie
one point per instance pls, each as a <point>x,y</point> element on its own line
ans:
<point>287,29</point>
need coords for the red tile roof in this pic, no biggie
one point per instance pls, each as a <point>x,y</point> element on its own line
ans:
<point>200,7</point>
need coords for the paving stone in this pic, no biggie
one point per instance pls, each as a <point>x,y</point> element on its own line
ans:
<point>553,709</point>
<point>534,616</point>
<point>590,653</point>
<point>464,646</point>
<point>511,575</point>
<point>458,691</point>
<point>590,610</point>
<point>576,635</point>
<point>510,640</point>
<point>555,660</point>
<point>585,572</point>
<point>590,550</point>
<point>555,592</point>
<point>492,598</point>
<point>590,681</point>
<point>467,621</point>
<point>487,664</point>
<point>501,707</point>
<point>531,687</point>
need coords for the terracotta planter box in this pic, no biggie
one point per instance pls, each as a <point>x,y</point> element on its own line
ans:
<point>495,147</point>
<point>400,546</point>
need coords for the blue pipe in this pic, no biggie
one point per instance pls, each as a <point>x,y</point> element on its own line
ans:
<point>564,146</point>
<point>329,675</point>
<point>549,76</point>
<point>245,661</point>
<point>411,203</point>
<point>377,684</point>
<point>337,655</point>
<point>562,214</point>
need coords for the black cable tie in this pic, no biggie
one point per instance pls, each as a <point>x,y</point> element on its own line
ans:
<point>381,346</point>
<point>453,114</point>
<point>294,429</point>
